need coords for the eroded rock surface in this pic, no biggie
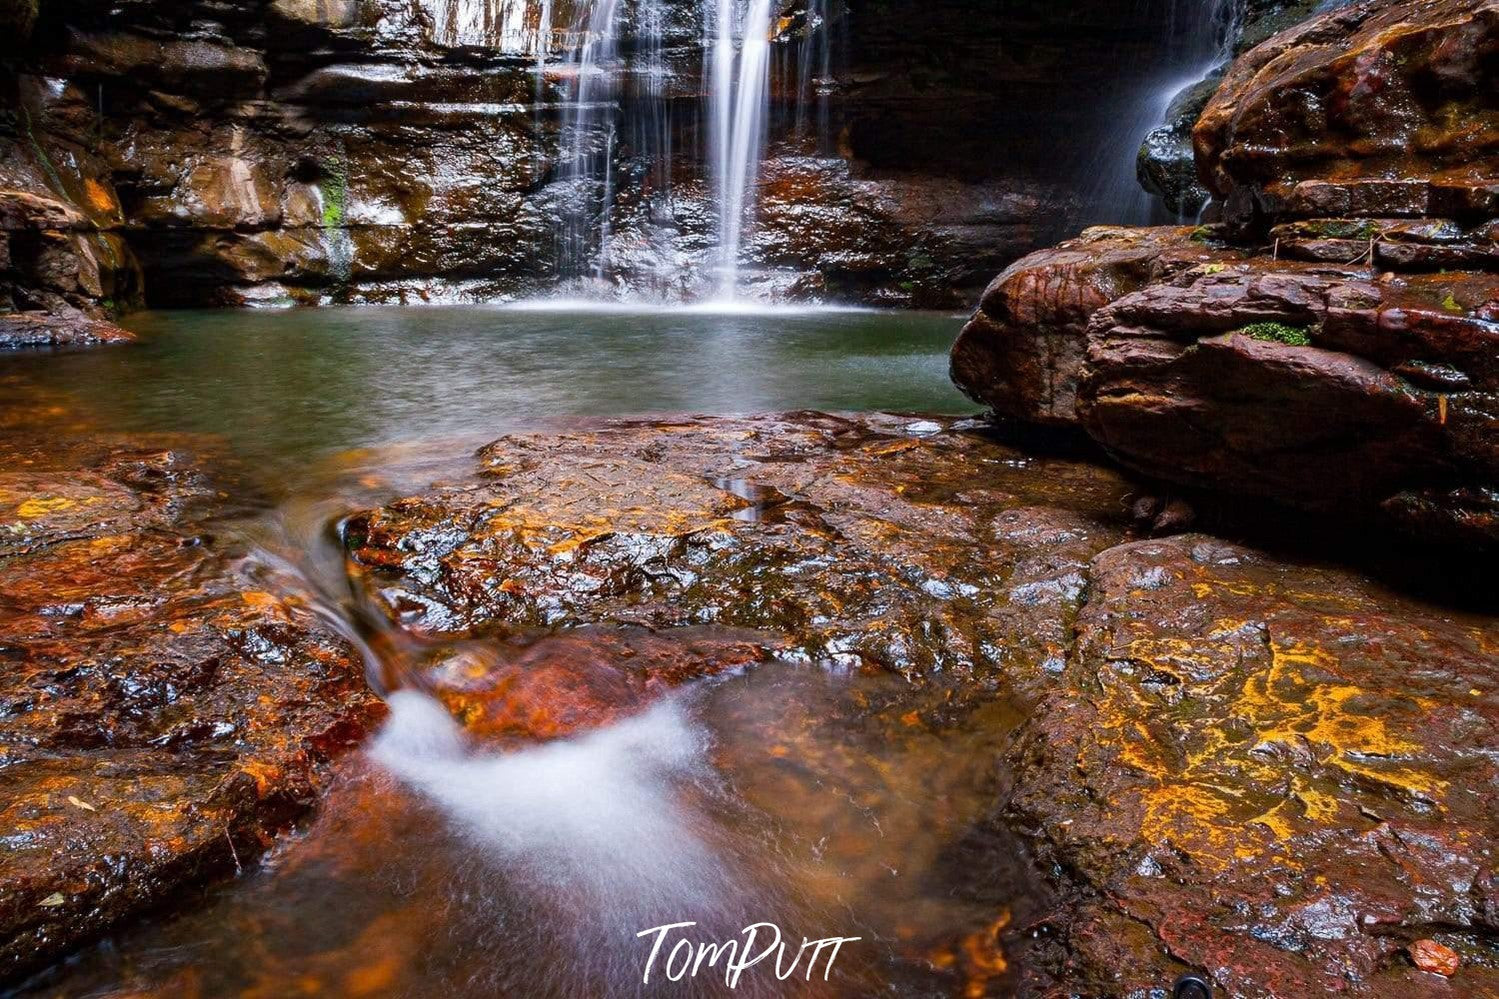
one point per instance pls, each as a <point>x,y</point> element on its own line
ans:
<point>1022,351</point>
<point>1319,381</point>
<point>162,713</point>
<point>1275,772</point>
<point>853,540</point>
<point>1377,109</point>
<point>1280,772</point>
<point>1319,386</point>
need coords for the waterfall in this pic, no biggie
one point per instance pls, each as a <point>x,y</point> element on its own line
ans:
<point>617,133</point>
<point>1203,34</point>
<point>503,25</point>
<point>740,60</point>
<point>618,94</point>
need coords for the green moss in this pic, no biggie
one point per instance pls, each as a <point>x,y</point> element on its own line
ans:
<point>1363,229</point>
<point>41,154</point>
<point>1291,336</point>
<point>1451,304</point>
<point>335,191</point>
<point>1201,234</point>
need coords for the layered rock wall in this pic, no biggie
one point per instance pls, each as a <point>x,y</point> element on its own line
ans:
<point>408,150</point>
<point>1332,344</point>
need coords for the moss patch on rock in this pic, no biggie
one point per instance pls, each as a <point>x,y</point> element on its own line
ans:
<point>1291,336</point>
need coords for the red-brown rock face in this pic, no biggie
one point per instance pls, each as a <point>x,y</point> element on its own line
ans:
<point>1022,351</point>
<point>1343,358</point>
<point>1381,109</point>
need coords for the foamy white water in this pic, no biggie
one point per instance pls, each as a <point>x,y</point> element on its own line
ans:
<point>598,815</point>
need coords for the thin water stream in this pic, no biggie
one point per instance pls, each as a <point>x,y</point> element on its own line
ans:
<point>825,801</point>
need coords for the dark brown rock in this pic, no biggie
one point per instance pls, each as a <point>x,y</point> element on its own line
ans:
<point>38,329</point>
<point>58,257</point>
<point>161,713</point>
<point>1375,110</point>
<point>1022,351</point>
<point>1376,388</point>
<point>1391,244</point>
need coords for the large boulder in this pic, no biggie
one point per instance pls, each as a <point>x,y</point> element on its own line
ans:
<point>1379,109</point>
<point>1321,386</point>
<point>1022,351</point>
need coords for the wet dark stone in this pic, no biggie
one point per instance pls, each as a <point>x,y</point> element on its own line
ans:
<point>36,329</point>
<point>162,714</point>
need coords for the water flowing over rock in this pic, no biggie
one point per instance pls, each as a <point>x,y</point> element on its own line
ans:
<point>1235,761</point>
<point>162,714</point>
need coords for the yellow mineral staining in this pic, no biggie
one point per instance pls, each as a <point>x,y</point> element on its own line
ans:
<point>1243,729</point>
<point>42,506</point>
<point>1288,709</point>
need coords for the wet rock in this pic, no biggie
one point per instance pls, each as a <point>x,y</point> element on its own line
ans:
<point>1265,769</point>
<point>1373,110</point>
<point>57,257</point>
<point>858,541</point>
<point>549,686</point>
<point>1022,350</point>
<point>1272,769</point>
<point>162,713</point>
<point>38,329</point>
<point>1428,955</point>
<point>1391,244</point>
<point>1316,386</point>
<point>1167,164</point>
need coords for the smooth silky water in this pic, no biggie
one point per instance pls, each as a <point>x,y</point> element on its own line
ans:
<point>827,801</point>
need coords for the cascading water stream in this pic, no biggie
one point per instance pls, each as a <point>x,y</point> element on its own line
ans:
<point>1203,33</point>
<point>741,96</point>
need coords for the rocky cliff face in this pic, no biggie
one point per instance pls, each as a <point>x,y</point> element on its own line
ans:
<point>1333,344</point>
<point>304,151</point>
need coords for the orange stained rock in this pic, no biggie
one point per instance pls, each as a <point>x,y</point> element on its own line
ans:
<point>979,957</point>
<point>1436,958</point>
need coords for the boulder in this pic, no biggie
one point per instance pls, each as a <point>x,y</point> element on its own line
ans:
<point>1376,110</point>
<point>1023,349</point>
<point>1319,386</point>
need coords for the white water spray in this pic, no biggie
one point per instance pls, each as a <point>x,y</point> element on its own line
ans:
<point>596,818</point>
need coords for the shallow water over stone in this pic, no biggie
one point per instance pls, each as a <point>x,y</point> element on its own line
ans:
<point>289,386</point>
<point>829,803</point>
<point>589,780</point>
